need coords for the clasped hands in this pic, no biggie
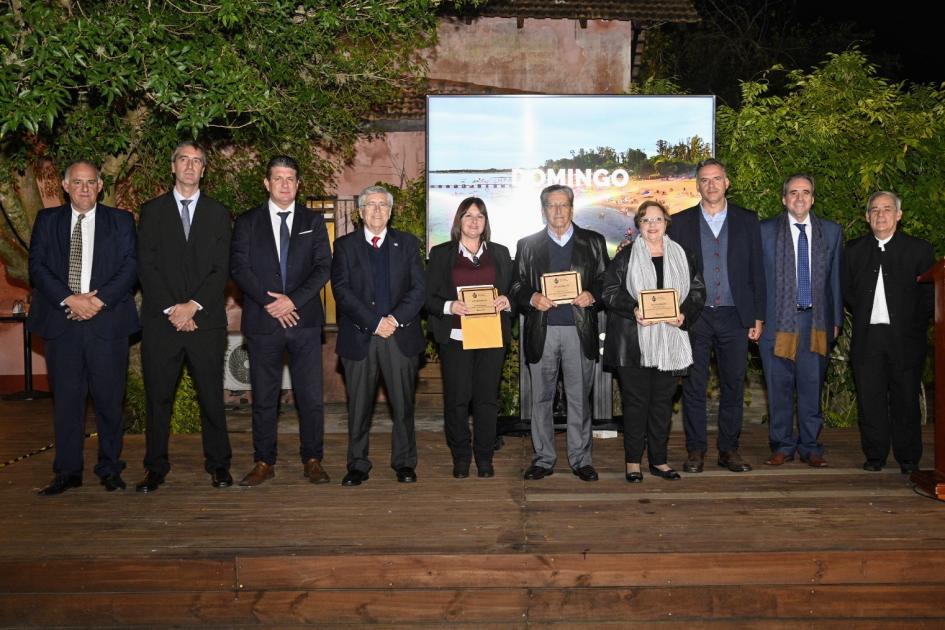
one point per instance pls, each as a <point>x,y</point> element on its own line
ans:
<point>387,327</point>
<point>542,303</point>
<point>181,316</point>
<point>283,309</point>
<point>83,306</point>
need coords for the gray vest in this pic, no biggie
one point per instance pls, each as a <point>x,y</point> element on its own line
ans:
<point>715,264</point>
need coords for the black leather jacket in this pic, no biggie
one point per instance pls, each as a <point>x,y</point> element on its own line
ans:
<point>621,345</point>
<point>589,258</point>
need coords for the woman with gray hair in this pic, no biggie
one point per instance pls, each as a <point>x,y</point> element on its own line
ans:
<point>649,356</point>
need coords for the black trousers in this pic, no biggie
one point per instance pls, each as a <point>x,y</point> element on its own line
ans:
<point>647,397</point>
<point>470,377</point>
<point>266,353</point>
<point>163,352</point>
<point>400,378</point>
<point>887,396</point>
<point>79,363</point>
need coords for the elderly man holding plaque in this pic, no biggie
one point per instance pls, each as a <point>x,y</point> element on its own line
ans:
<point>652,292</point>
<point>468,281</point>
<point>556,284</point>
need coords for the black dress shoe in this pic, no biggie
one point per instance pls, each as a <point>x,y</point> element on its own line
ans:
<point>486,471</point>
<point>585,473</point>
<point>538,472</point>
<point>733,461</point>
<point>907,468</point>
<point>670,474</point>
<point>60,484</point>
<point>113,482</point>
<point>221,478</point>
<point>354,477</point>
<point>408,475</point>
<point>872,466</point>
<point>461,471</point>
<point>150,483</point>
<point>634,477</point>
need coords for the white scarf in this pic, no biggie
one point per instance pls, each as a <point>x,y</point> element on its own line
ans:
<point>662,346</point>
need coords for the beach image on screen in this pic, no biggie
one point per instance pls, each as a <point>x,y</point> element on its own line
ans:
<point>614,151</point>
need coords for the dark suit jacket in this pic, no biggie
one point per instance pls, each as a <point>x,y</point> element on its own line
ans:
<point>114,268</point>
<point>532,260</point>
<point>353,286</point>
<point>254,265</point>
<point>174,270</point>
<point>832,298</point>
<point>745,268</point>
<point>622,344</point>
<point>910,303</point>
<point>440,287</point>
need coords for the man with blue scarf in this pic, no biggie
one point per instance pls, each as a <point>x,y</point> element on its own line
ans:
<point>802,261</point>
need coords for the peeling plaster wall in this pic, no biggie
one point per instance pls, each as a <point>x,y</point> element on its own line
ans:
<point>548,56</point>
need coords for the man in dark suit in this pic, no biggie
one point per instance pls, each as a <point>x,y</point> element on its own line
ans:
<point>82,263</point>
<point>891,312</point>
<point>560,337</point>
<point>281,259</point>
<point>378,281</point>
<point>802,258</point>
<point>725,241</point>
<point>183,256</point>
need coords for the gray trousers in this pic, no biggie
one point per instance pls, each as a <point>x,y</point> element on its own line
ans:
<point>400,378</point>
<point>562,350</point>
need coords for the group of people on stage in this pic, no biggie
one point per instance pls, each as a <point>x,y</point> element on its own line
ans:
<point>780,283</point>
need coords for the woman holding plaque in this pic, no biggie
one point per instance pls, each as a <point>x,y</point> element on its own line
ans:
<point>646,340</point>
<point>470,376</point>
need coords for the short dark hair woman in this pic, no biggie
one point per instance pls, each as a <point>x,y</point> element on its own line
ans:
<point>649,356</point>
<point>469,376</point>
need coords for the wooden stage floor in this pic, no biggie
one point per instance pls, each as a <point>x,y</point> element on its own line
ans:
<point>835,548</point>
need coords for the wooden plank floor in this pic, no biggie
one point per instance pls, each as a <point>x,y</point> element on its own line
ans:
<point>838,546</point>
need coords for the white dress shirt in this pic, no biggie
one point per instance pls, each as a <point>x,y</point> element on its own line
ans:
<point>277,224</point>
<point>795,235</point>
<point>88,245</point>
<point>880,312</point>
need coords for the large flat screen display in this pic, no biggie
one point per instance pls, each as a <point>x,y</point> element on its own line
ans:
<point>614,151</point>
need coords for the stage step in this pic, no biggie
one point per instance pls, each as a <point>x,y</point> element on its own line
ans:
<point>828,589</point>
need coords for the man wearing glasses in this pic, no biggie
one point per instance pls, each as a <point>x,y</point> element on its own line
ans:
<point>378,281</point>
<point>560,336</point>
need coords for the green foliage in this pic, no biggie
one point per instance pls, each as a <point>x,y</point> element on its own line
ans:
<point>509,390</point>
<point>123,82</point>
<point>186,412</point>
<point>856,133</point>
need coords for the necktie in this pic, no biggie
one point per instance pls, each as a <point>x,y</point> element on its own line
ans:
<point>283,246</point>
<point>75,257</point>
<point>803,268</point>
<point>374,240</point>
<point>185,216</point>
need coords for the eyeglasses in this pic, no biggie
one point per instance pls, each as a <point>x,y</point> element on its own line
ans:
<point>652,220</point>
<point>374,206</point>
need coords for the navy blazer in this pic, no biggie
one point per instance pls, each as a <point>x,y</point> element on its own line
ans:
<point>174,269</point>
<point>832,298</point>
<point>254,266</point>
<point>440,287</point>
<point>745,268</point>
<point>114,272</point>
<point>353,285</point>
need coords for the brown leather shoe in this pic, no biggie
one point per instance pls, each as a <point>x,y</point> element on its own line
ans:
<point>260,473</point>
<point>695,462</point>
<point>815,461</point>
<point>733,461</point>
<point>314,471</point>
<point>778,459</point>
